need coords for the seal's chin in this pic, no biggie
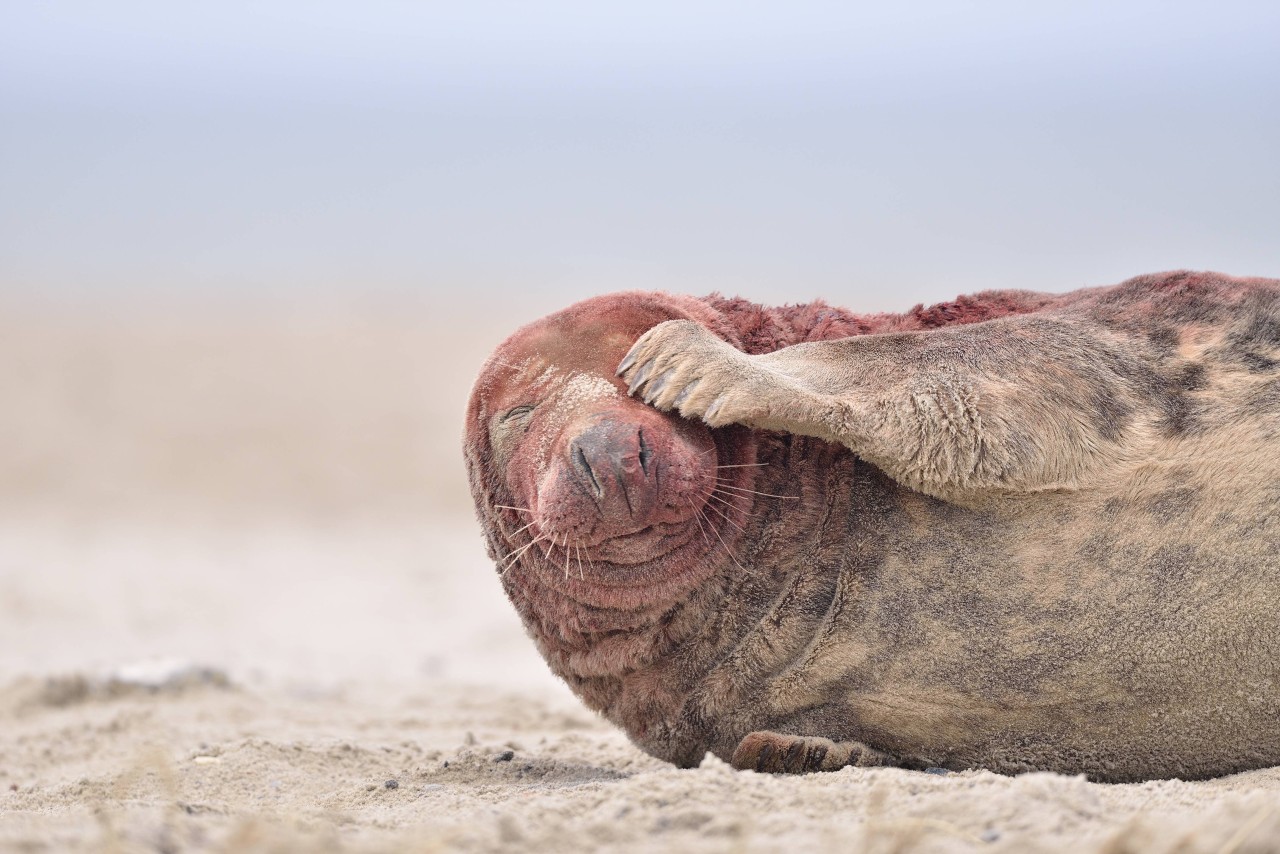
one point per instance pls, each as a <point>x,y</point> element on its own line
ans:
<point>643,546</point>
<point>634,568</point>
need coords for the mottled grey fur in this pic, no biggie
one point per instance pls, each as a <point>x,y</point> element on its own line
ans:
<point>1014,531</point>
<point>1044,541</point>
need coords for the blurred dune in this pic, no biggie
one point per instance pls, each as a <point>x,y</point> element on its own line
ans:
<point>267,486</point>
<point>238,413</point>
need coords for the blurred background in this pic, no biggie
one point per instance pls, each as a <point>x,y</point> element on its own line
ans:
<point>872,153</point>
<point>253,254</point>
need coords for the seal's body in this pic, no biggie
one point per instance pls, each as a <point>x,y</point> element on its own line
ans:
<point>1016,531</point>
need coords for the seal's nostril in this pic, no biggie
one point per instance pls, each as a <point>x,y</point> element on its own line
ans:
<point>646,453</point>
<point>580,463</point>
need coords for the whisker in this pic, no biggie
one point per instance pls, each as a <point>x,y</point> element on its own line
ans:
<point>515,553</point>
<point>577,547</point>
<point>729,504</point>
<point>702,517</point>
<point>741,465</point>
<point>728,550</point>
<point>512,558</point>
<point>722,485</point>
<point>723,515</point>
<point>525,528</point>
<point>509,507</point>
<point>697,517</point>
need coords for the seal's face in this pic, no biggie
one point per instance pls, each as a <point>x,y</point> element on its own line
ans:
<point>587,491</point>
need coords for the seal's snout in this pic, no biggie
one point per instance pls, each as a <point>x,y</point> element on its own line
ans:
<point>620,471</point>
<point>614,463</point>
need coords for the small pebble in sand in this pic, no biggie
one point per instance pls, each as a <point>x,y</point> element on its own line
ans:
<point>505,756</point>
<point>392,784</point>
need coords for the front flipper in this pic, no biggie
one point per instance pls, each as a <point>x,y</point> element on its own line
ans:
<point>775,753</point>
<point>681,365</point>
<point>1018,404</point>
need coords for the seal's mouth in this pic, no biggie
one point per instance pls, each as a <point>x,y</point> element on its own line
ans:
<point>643,546</point>
<point>655,556</point>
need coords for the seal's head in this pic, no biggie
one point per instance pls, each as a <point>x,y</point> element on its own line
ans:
<point>602,514</point>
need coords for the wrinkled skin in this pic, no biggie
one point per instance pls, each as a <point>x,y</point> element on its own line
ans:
<point>1015,531</point>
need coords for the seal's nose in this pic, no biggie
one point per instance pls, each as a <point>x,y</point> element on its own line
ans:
<point>614,463</point>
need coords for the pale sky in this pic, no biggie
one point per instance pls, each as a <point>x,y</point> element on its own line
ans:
<point>869,153</point>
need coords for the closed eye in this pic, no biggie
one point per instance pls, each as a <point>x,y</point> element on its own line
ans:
<point>507,428</point>
<point>520,412</point>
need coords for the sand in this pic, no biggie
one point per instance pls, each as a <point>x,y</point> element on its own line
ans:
<point>244,607</point>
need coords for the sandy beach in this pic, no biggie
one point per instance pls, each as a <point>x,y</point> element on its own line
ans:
<point>244,606</point>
